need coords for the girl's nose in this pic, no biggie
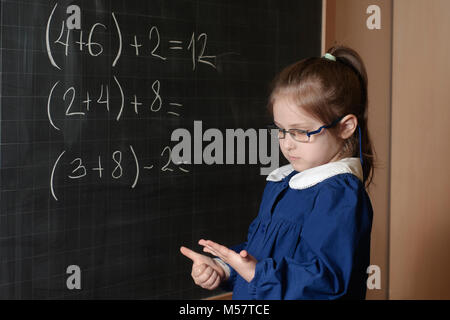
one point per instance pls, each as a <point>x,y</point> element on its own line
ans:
<point>288,142</point>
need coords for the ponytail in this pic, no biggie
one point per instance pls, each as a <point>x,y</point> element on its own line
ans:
<point>351,59</point>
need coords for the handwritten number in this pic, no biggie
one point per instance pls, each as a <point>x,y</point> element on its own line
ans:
<point>71,89</point>
<point>80,168</point>
<point>164,168</point>
<point>91,44</point>
<point>158,39</point>
<point>118,171</point>
<point>201,57</point>
<point>158,101</point>
<point>106,101</point>
<point>64,44</point>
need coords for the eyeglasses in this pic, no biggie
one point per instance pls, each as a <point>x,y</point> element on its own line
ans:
<point>302,135</point>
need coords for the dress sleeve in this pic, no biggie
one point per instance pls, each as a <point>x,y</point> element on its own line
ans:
<point>334,242</point>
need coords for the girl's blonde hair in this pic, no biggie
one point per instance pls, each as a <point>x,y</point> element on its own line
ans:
<point>327,90</point>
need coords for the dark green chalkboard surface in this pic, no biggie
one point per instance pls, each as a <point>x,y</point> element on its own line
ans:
<point>87,114</point>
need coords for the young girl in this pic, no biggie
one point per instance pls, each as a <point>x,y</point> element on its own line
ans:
<point>311,238</point>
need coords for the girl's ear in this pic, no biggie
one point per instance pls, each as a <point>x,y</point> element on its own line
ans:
<point>348,126</point>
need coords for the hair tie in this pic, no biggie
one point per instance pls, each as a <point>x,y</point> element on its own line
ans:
<point>329,56</point>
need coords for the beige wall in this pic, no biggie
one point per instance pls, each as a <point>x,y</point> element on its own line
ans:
<point>420,182</point>
<point>346,24</point>
<point>411,234</point>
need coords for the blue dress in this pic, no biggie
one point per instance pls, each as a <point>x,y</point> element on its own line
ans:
<point>311,237</point>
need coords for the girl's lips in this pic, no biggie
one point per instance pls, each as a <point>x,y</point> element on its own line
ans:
<point>293,158</point>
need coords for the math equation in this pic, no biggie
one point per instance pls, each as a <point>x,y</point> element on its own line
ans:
<point>112,97</point>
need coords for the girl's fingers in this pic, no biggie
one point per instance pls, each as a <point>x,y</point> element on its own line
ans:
<point>218,247</point>
<point>189,253</point>
<point>202,242</point>
<point>198,270</point>
<point>204,276</point>
<point>206,249</point>
<point>216,283</point>
<point>210,281</point>
<point>247,256</point>
<point>221,251</point>
<point>209,250</point>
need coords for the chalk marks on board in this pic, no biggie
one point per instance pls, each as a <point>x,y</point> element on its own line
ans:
<point>50,119</point>
<point>195,44</point>
<point>79,169</point>
<point>47,40</point>
<point>112,98</point>
<point>103,98</point>
<point>52,176</point>
<point>119,34</point>
<point>202,38</point>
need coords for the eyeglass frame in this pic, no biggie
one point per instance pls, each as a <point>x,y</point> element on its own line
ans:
<point>308,133</point>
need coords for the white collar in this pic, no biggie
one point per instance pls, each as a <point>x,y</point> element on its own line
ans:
<point>313,176</point>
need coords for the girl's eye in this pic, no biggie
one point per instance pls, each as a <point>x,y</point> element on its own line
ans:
<point>298,134</point>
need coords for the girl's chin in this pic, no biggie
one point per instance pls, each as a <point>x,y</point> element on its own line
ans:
<point>299,165</point>
<point>296,164</point>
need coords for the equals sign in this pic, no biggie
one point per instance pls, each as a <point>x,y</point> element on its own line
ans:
<point>175,45</point>
<point>174,105</point>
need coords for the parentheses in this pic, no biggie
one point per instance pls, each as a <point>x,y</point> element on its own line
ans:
<point>48,106</point>
<point>137,167</point>
<point>122,97</point>
<point>119,35</point>
<point>52,188</point>
<point>47,39</point>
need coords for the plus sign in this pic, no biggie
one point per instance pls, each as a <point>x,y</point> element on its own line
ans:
<point>136,104</point>
<point>81,43</point>
<point>136,45</point>
<point>87,101</point>
<point>99,168</point>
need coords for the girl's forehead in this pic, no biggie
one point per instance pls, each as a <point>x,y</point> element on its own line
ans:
<point>287,112</point>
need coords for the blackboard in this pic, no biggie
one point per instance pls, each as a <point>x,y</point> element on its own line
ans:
<point>86,121</point>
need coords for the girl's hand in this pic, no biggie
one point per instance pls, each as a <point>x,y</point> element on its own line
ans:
<point>242,262</point>
<point>205,271</point>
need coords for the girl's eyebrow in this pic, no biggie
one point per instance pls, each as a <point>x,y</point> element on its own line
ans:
<point>294,125</point>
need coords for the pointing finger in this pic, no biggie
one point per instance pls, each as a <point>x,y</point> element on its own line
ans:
<point>189,253</point>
